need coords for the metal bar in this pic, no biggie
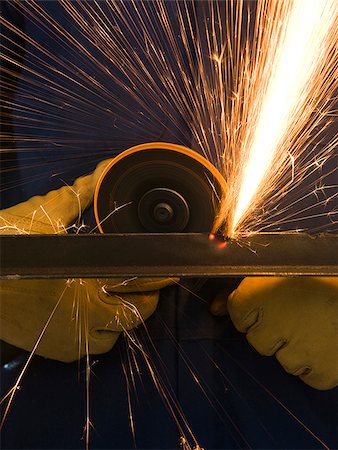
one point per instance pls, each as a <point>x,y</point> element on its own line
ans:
<point>187,255</point>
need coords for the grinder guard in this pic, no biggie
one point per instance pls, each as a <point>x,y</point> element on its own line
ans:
<point>158,188</point>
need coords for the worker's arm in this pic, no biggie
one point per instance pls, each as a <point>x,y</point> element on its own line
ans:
<point>295,319</point>
<point>68,318</point>
<point>54,212</point>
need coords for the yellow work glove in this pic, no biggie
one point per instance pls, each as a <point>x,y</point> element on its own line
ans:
<point>295,319</point>
<point>68,318</point>
<point>54,212</point>
<point>88,315</point>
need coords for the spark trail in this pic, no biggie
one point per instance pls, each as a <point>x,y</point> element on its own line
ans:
<point>208,74</point>
<point>297,67</point>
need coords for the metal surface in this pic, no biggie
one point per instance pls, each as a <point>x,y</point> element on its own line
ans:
<point>185,254</point>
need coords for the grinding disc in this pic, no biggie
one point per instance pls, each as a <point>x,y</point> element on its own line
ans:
<point>158,187</point>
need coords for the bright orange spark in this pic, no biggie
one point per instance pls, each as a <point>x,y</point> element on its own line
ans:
<point>299,53</point>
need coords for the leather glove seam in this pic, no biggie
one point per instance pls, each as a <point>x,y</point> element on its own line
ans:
<point>299,371</point>
<point>258,321</point>
<point>278,345</point>
<point>100,334</point>
<point>305,370</point>
<point>117,300</point>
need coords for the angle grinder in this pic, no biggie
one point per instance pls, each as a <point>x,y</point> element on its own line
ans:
<point>158,188</point>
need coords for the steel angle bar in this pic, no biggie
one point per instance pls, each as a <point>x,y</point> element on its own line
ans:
<point>158,255</point>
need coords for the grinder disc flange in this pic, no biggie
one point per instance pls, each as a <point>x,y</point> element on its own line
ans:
<point>158,187</point>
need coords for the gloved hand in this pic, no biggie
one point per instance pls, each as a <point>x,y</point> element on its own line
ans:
<point>72,317</point>
<point>295,319</point>
<point>89,315</point>
<point>54,212</point>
